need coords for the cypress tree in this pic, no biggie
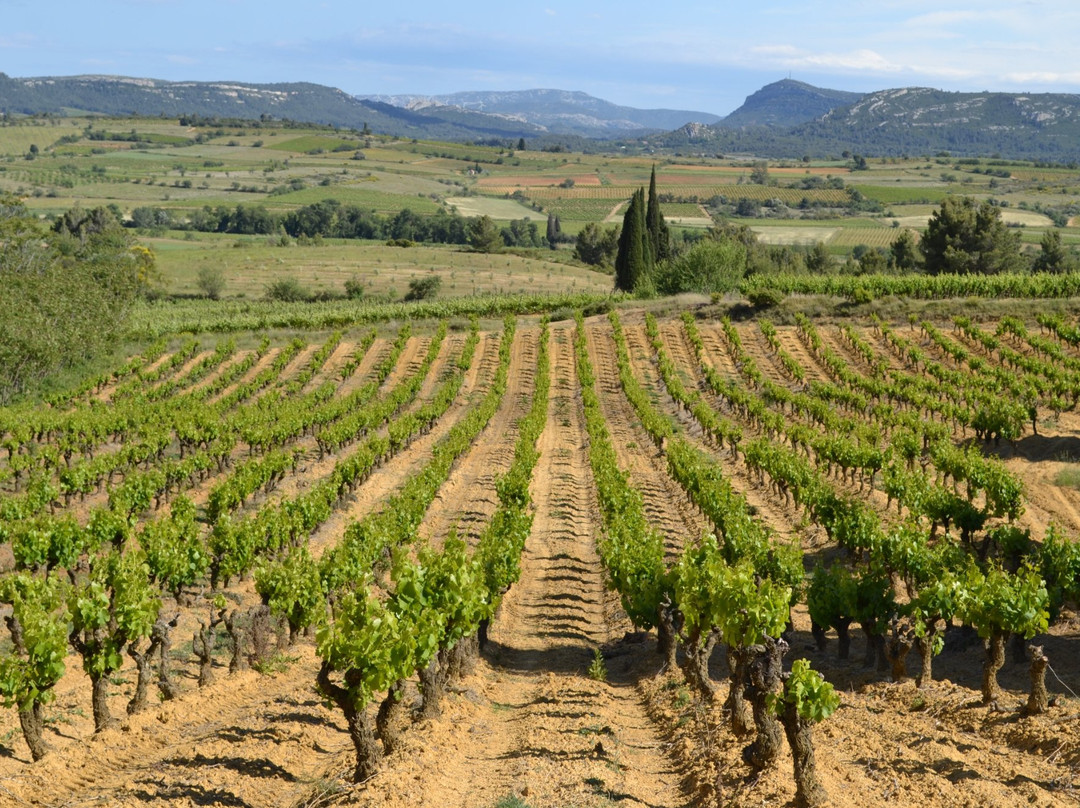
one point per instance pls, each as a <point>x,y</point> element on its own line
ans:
<point>554,231</point>
<point>634,258</point>
<point>659,236</point>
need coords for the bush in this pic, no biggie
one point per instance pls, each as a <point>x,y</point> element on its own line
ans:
<point>707,267</point>
<point>765,298</point>
<point>354,288</point>
<point>287,290</point>
<point>423,288</point>
<point>211,282</point>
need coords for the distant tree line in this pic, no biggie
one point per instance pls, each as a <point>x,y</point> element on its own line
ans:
<point>963,236</point>
<point>330,218</point>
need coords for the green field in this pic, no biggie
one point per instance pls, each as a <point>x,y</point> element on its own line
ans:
<point>311,143</point>
<point>501,209</point>
<point>362,194</point>
<point>250,264</point>
<point>138,163</point>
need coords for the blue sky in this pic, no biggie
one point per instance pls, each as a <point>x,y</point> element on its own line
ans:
<point>689,55</point>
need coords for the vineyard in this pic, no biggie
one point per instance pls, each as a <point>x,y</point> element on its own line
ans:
<point>732,191</point>
<point>482,562</point>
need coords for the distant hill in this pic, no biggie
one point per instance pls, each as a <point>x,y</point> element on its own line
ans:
<point>788,103</point>
<point>559,111</point>
<point>907,120</point>
<point>542,116</point>
<point>785,119</point>
<point>919,119</point>
<point>300,101</point>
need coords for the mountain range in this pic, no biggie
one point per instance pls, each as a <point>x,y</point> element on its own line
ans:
<point>895,122</point>
<point>785,119</point>
<point>557,111</point>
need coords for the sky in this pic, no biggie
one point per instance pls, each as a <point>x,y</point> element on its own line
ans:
<point>701,56</point>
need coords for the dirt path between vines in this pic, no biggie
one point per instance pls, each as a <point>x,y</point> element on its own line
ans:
<point>411,459</point>
<point>530,723</point>
<point>467,500</point>
<point>666,506</point>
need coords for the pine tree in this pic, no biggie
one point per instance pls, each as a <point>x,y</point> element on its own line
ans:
<point>1054,257</point>
<point>634,259</point>
<point>659,236</point>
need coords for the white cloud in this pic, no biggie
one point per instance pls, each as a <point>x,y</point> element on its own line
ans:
<point>776,50</point>
<point>862,60</point>
<point>20,41</point>
<point>1042,77</point>
<point>936,19</point>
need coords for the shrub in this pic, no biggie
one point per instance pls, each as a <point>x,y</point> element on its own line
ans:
<point>423,288</point>
<point>211,282</point>
<point>354,288</point>
<point>764,298</point>
<point>287,290</point>
<point>707,267</point>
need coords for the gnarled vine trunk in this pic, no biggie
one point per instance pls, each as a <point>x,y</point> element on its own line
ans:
<point>667,639</point>
<point>897,648</point>
<point>388,719</point>
<point>162,635</point>
<point>742,722</point>
<point>262,630</point>
<point>696,664</point>
<point>926,656</point>
<point>238,639</point>
<point>32,721</point>
<point>463,657</point>
<point>995,658</point>
<point>809,792</point>
<point>99,700</point>
<point>433,685</point>
<point>368,753</point>
<point>1037,702</point>
<point>763,674</point>
<point>145,668</point>
<point>843,639</point>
